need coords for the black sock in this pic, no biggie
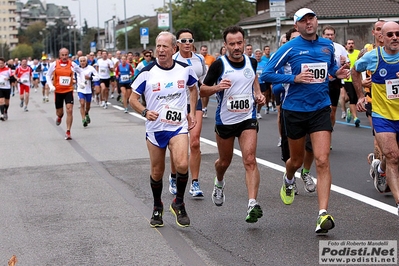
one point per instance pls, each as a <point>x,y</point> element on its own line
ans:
<point>194,180</point>
<point>156,187</point>
<point>2,109</point>
<point>173,176</point>
<point>6,108</point>
<point>181,183</point>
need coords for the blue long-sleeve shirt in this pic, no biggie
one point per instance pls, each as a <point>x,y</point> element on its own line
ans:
<point>296,56</point>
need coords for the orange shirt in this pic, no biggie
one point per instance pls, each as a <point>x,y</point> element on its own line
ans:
<point>209,59</point>
<point>62,77</point>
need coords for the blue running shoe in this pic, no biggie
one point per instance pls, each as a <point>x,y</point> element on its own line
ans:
<point>348,115</point>
<point>357,122</point>
<point>195,190</point>
<point>172,185</point>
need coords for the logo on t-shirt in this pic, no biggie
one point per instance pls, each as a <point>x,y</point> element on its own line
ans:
<point>180,84</point>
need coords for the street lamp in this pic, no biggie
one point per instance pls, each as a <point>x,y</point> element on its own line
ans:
<point>98,26</point>
<point>124,3</point>
<point>80,25</point>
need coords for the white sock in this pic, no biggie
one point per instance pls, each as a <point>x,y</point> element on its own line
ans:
<point>219,183</point>
<point>252,202</point>
<point>321,211</point>
<point>288,181</point>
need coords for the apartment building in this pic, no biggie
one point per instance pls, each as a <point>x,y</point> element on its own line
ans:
<point>8,23</point>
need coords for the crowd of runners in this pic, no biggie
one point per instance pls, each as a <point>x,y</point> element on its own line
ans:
<point>304,81</point>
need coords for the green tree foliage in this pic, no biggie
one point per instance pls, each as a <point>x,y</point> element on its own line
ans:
<point>22,51</point>
<point>4,50</point>
<point>207,19</point>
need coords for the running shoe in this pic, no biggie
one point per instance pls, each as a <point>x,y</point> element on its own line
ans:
<point>179,211</point>
<point>258,116</point>
<point>195,190</point>
<point>5,116</point>
<point>307,178</point>
<point>205,113</point>
<point>348,115</point>
<point>26,109</point>
<point>84,123</point>
<point>343,115</point>
<point>118,98</point>
<point>267,110</point>
<point>287,192</point>
<point>44,100</point>
<point>88,119</point>
<point>254,212</point>
<point>370,159</point>
<point>156,219</point>
<point>279,142</point>
<point>112,95</point>
<point>324,223</point>
<point>102,104</point>
<point>58,121</point>
<point>2,118</point>
<point>380,182</point>
<point>357,122</point>
<point>172,185</point>
<point>21,104</point>
<point>106,106</point>
<point>126,111</point>
<point>68,135</point>
<point>47,100</point>
<point>218,195</point>
<point>295,187</point>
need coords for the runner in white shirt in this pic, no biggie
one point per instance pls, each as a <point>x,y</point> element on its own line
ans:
<point>5,89</point>
<point>185,42</point>
<point>85,93</point>
<point>105,67</point>
<point>164,84</point>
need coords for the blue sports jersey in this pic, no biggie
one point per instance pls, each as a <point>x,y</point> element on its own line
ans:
<point>300,55</point>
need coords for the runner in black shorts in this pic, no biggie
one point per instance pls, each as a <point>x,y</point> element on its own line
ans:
<point>228,131</point>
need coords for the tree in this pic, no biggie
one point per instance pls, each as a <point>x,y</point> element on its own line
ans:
<point>208,19</point>
<point>22,51</point>
<point>4,50</point>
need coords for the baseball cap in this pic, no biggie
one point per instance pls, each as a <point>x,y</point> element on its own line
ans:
<point>301,13</point>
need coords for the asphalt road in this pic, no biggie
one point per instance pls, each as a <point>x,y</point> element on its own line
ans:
<point>87,201</point>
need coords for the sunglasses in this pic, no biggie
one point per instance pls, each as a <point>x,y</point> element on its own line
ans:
<point>390,34</point>
<point>147,55</point>
<point>185,40</point>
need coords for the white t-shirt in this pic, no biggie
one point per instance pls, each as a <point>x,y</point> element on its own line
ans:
<point>104,68</point>
<point>87,71</point>
<point>165,91</point>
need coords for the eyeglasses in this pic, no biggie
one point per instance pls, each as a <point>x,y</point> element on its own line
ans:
<point>147,55</point>
<point>390,34</point>
<point>185,40</point>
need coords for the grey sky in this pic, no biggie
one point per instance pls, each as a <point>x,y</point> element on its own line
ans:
<point>108,8</point>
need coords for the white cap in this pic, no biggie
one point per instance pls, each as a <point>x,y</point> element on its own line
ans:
<point>301,13</point>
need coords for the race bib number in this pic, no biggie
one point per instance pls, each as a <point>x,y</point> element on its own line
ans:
<point>25,81</point>
<point>2,83</point>
<point>239,103</point>
<point>319,70</point>
<point>172,115</point>
<point>125,78</point>
<point>64,81</point>
<point>103,70</point>
<point>45,73</point>
<point>392,88</point>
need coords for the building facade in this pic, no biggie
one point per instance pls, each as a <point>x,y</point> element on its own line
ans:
<point>8,24</point>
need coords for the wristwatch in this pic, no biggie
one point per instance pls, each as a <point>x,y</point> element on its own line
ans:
<point>144,113</point>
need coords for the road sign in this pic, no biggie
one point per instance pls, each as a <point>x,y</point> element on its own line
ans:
<point>277,8</point>
<point>144,35</point>
<point>163,21</point>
